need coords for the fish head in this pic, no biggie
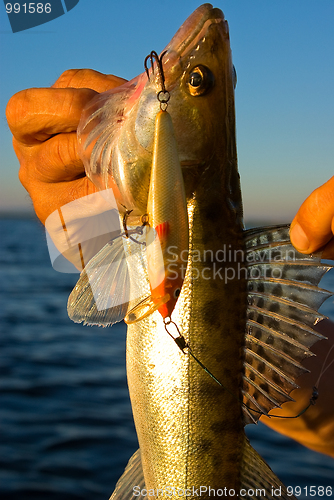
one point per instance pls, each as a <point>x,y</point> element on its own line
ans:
<point>200,78</point>
<point>116,132</point>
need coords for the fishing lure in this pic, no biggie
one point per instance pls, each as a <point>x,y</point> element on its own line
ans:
<point>165,239</point>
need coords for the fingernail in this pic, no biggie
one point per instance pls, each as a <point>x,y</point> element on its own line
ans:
<point>299,238</point>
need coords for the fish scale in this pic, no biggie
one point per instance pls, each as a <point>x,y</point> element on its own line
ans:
<point>212,314</point>
<point>190,441</point>
<point>194,442</point>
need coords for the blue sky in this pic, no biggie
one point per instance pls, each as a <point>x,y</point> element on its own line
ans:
<point>283,53</point>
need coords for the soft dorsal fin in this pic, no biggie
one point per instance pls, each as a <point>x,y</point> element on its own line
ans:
<point>283,299</point>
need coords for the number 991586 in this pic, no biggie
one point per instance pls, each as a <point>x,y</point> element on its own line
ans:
<point>28,8</point>
<point>310,491</point>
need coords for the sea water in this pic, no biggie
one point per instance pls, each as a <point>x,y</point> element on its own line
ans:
<point>65,417</point>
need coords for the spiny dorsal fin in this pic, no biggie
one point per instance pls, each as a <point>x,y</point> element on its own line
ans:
<point>283,299</point>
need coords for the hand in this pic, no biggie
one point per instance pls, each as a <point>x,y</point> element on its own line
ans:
<point>315,427</point>
<point>312,229</point>
<point>44,122</point>
<point>313,226</point>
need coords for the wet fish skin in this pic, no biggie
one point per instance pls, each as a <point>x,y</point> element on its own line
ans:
<point>190,430</point>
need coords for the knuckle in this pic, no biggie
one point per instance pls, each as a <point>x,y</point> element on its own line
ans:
<point>16,108</point>
<point>71,147</point>
<point>73,78</point>
<point>76,100</point>
<point>24,175</point>
<point>28,173</point>
<point>20,110</point>
<point>67,155</point>
<point>65,78</point>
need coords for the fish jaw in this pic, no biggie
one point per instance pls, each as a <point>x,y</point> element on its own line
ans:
<point>196,132</point>
<point>187,37</point>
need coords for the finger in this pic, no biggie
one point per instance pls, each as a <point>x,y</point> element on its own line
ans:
<point>48,198</point>
<point>34,115</point>
<point>313,225</point>
<point>55,160</point>
<point>88,78</point>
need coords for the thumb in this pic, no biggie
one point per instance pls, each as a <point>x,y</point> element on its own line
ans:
<point>313,225</point>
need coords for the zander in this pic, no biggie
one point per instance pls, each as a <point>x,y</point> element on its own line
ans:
<point>247,320</point>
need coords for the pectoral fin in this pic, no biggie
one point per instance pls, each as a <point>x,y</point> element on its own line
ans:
<point>101,295</point>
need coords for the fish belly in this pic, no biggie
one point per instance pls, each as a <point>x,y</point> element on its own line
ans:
<point>190,429</point>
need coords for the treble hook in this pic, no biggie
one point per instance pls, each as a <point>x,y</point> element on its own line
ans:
<point>163,96</point>
<point>153,55</point>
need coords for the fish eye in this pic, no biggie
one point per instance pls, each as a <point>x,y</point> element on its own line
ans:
<point>195,79</point>
<point>200,80</point>
<point>177,293</point>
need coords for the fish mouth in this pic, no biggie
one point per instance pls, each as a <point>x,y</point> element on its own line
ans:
<point>191,32</point>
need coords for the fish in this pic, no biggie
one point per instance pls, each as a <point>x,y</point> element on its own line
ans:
<point>248,300</point>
